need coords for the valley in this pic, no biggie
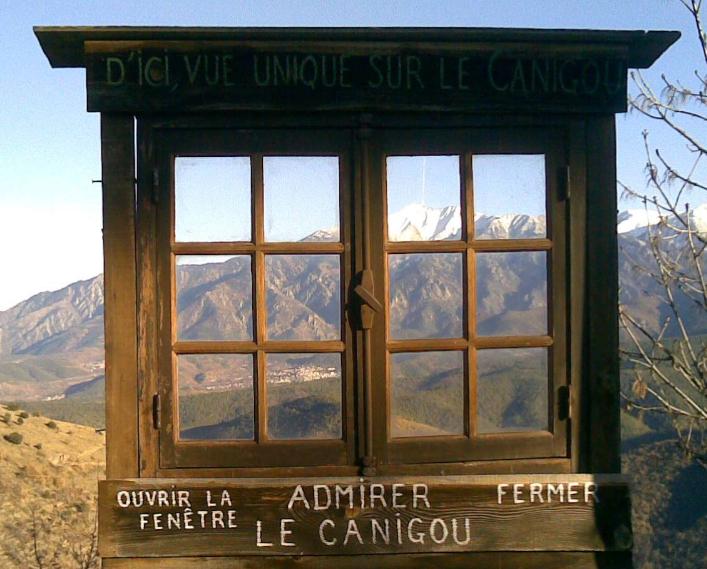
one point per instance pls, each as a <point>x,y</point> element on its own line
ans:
<point>51,364</point>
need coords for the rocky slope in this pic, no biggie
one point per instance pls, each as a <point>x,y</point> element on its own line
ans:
<point>55,339</point>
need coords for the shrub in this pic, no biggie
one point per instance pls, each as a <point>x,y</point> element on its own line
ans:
<point>12,406</point>
<point>52,425</point>
<point>38,446</point>
<point>6,418</point>
<point>20,420</point>
<point>24,414</point>
<point>14,438</point>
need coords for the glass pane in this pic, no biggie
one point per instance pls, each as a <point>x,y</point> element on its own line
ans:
<point>511,293</point>
<point>212,198</point>
<point>426,295</point>
<point>214,297</point>
<point>301,198</point>
<point>512,390</point>
<point>216,398</point>
<point>304,297</point>
<point>509,196</point>
<point>428,394</point>
<point>423,198</point>
<point>304,396</point>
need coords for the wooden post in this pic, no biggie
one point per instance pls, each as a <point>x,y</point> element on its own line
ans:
<point>602,427</point>
<point>117,155</point>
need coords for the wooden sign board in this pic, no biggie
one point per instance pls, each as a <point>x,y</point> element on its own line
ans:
<point>176,76</point>
<point>229,517</point>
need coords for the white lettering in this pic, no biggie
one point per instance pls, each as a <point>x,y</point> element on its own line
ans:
<point>419,492</point>
<point>323,539</point>
<point>298,496</point>
<point>284,532</point>
<point>259,535</point>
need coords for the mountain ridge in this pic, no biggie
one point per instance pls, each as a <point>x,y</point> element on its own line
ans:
<point>54,340</point>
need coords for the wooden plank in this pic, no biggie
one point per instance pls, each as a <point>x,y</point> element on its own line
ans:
<point>64,46</point>
<point>514,342</point>
<point>601,370</point>
<point>245,347</point>
<point>577,271</point>
<point>481,560</point>
<point>353,516</point>
<point>166,76</point>
<point>436,344</point>
<point>118,173</point>
<point>243,248</point>
<point>510,245</point>
<point>518,466</point>
<point>148,371</point>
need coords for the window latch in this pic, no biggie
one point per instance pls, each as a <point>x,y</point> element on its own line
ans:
<point>368,302</point>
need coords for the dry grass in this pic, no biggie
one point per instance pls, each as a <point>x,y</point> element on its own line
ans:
<point>48,493</point>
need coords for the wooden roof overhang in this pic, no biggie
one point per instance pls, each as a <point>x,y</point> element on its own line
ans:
<point>155,69</point>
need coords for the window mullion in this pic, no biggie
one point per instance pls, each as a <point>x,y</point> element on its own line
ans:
<point>260,316</point>
<point>467,178</point>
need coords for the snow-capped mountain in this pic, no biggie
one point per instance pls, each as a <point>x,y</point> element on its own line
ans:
<point>54,340</point>
<point>418,222</point>
<point>633,219</point>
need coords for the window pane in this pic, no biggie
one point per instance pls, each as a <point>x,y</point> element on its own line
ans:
<point>216,398</point>
<point>426,295</point>
<point>511,292</point>
<point>212,199</point>
<point>509,196</point>
<point>301,198</point>
<point>512,390</point>
<point>423,198</point>
<point>428,394</point>
<point>214,297</point>
<point>304,396</point>
<point>304,297</point>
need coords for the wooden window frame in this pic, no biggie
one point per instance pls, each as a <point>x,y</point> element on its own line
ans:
<point>470,445</point>
<point>262,451</point>
<point>507,453</point>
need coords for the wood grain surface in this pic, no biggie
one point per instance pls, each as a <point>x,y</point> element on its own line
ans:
<point>282,517</point>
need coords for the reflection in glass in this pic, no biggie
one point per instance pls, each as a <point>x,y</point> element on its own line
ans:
<point>304,297</point>
<point>423,198</point>
<point>509,196</point>
<point>212,198</point>
<point>214,297</point>
<point>512,390</point>
<point>427,394</point>
<point>511,293</point>
<point>301,198</point>
<point>304,396</point>
<point>426,295</point>
<point>216,398</point>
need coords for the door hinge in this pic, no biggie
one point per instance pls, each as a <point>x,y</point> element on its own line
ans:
<point>563,402</point>
<point>156,412</point>
<point>155,186</point>
<point>563,183</point>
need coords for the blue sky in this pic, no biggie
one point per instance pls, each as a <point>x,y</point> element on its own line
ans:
<point>49,148</point>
